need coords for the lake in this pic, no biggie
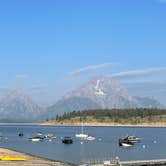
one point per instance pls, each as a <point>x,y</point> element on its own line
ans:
<point>152,145</point>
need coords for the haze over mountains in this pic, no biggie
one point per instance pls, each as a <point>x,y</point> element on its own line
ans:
<point>101,92</point>
<point>18,107</point>
<point>98,93</point>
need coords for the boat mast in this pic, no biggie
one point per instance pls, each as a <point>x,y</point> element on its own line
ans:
<point>82,129</point>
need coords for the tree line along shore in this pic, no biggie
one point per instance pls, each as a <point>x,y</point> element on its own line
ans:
<point>112,117</point>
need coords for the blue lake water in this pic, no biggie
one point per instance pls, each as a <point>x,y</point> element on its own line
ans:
<point>105,146</point>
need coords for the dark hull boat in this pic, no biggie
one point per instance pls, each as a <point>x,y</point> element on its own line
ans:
<point>67,140</point>
<point>20,134</point>
<point>125,143</point>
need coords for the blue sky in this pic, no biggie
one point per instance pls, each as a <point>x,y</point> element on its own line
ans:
<point>43,41</point>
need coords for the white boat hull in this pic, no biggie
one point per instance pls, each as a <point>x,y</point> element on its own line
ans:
<point>89,138</point>
<point>35,140</point>
<point>126,145</point>
<point>81,135</point>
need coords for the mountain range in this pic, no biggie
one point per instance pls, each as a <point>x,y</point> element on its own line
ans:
<point>18,107</point>
<point>98,93</point>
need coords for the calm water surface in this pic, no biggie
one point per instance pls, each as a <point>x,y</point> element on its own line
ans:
<point>105,145</point>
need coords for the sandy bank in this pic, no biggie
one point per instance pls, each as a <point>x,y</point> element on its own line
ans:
<point>29,159</point>
<point>158,124</point>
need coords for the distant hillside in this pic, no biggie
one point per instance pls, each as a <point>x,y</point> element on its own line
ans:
<point>70,104</point>
<point>18,107</point>
<point>100,92</point>
<point>113,116</point>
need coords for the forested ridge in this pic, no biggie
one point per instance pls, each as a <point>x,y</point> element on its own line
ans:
<point>122,116</point>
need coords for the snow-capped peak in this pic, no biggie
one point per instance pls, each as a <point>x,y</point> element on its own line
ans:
<point>98,91</point>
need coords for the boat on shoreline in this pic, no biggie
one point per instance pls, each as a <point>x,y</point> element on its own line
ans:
<point>11,158</point>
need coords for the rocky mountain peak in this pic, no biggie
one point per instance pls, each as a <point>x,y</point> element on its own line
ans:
<point>103,90</point>
<point>18,106</point>
<point>100,93</point>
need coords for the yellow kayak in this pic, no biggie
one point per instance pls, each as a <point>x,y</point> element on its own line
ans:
<point>11,158</point>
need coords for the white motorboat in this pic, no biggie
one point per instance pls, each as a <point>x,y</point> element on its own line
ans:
<point>81,135</point>
<point>36,139</point>
<point>50,136</point>
<point>90,138</point>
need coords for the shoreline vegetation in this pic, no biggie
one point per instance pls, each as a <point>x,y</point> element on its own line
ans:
<point>139,117</point>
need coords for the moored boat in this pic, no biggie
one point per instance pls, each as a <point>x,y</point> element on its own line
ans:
<point>36,139</point>
<point>39,133</point>
<point>67,140</point>
<point>1,135</point>
<point>89,138</point>
<point>133,139</point>
<point>20,134</point>
<point>125,143</point>
<point>50,136</point>
<point>81,135</point>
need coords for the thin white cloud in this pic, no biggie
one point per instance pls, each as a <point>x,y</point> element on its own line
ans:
<point>135,73</point>
<point>21,76</point>
<point>91,68</point>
